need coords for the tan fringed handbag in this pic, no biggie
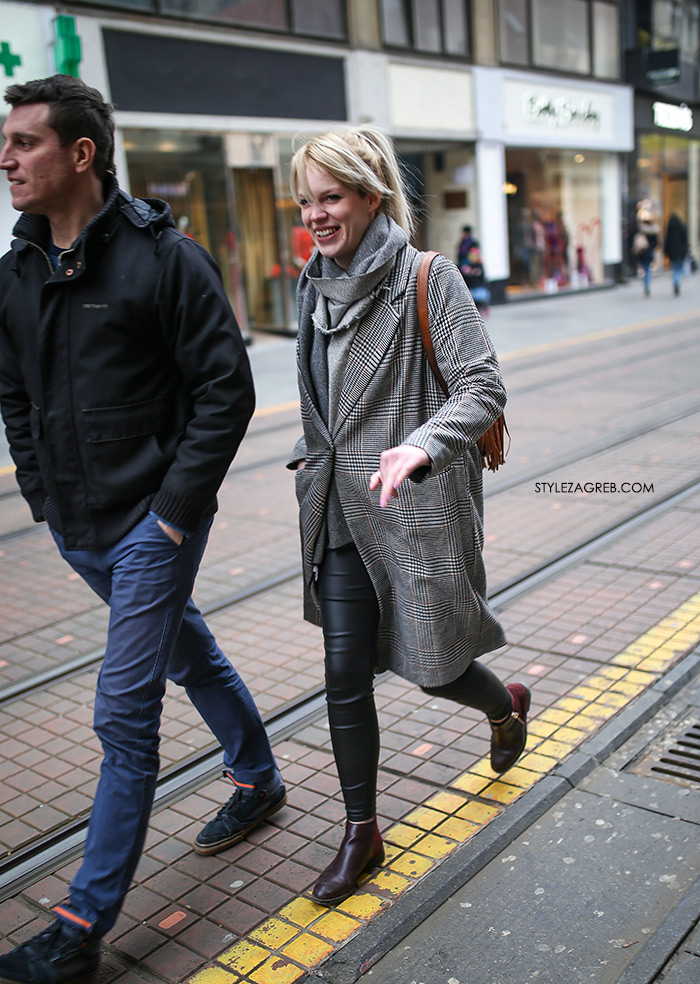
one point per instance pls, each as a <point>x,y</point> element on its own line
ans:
<point>491,444</point>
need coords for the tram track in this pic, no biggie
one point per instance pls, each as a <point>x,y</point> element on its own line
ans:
<point>262,430</point>
<point>88,660</point>
<point>61,845</point>
<point>64,842</point>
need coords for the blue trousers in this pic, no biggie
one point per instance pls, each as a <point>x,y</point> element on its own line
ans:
<point>155,631</point>
<point>677,273</point>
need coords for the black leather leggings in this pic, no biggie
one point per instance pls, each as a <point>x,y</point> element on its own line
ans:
<point>350,620</point>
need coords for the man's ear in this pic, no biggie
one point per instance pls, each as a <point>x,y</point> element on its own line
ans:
<point>83,154</point>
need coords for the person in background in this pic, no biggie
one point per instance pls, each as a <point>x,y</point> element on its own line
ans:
<point>475,279</point>
<point>392,569</point>
<point>465,244</point>
<point>644,244</point>
<point>676,249</point>
<point>126,389</point>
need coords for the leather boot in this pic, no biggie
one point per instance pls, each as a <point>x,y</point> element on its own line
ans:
<point>508,738</point>
<point>360,850</point>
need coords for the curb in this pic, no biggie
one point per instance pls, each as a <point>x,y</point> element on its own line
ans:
<point>348,964</point>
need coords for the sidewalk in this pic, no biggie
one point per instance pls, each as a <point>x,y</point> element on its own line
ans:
<point>603,645</point>
<point>594,877</point>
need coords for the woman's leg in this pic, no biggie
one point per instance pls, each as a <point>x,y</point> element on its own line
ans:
<point>350,618</point>
<point>505,707</point>
<point>350,615</point>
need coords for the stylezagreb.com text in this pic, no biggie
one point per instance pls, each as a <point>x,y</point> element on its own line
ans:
<point>606,488</point>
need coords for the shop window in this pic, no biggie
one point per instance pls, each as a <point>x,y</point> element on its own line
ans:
<point>131,4</point>
<point>426,25</point>
<point>188,171</point>
<point>247,13</point>
<point>395,28</point>
<point>606,41</point>
<point>438,26</point>
<point>319,18</point>
<point>573,36</point>
<point>513,28</point>
<point>560,36</point>
<point>455,24</point>
<point>554,203</point>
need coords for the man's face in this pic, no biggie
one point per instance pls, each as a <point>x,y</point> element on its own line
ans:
<point>41,172</point>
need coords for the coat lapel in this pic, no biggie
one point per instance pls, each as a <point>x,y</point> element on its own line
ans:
<point>374,336</point>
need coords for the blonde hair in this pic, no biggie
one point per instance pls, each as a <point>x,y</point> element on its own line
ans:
<point>361,157</point>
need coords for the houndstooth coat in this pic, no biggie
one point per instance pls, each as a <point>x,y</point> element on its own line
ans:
<point>423,552</point>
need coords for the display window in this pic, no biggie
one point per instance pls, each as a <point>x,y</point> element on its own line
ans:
<point>554,219</point>
<point>236,206</point>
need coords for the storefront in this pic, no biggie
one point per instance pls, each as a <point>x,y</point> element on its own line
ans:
<point>664,172</point>
<point>563,182</point>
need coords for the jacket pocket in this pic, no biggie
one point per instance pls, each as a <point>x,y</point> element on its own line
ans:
<point>129,449</point>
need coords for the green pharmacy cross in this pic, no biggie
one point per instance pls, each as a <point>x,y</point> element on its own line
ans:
<point>8,61</point>
<point>67,48</point>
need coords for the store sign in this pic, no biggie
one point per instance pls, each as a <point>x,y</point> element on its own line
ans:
<point>672,117</point>
<point>568,115</point>
<point>25,49</point>
<point>560,112</point>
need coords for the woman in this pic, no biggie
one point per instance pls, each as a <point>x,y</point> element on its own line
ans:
<point>644,245</point>
<point>392,569</point>
<point>676,248</point>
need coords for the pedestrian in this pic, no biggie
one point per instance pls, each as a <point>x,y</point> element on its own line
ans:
<point>392,569</point>
<point>676,248</point>
<point>465,244</point>
<point>475,279</point>
<point>644,244</point>
<point>125,389</point>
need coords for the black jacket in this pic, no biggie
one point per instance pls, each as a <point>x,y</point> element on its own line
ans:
<point>676,241</point>
<point>124,381</point>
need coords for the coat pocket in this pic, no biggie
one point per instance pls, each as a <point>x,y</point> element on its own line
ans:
<point>128,451</point>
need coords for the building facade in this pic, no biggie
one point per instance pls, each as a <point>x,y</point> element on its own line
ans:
<point>509,115</point>
<point>661,41</point>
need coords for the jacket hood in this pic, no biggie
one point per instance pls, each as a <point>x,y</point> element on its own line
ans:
<point>151,213</point>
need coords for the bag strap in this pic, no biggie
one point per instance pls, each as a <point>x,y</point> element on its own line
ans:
<point>491,443</point>
<point>424,317</point>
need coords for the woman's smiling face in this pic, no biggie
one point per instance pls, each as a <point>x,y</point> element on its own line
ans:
<point>336,216</point>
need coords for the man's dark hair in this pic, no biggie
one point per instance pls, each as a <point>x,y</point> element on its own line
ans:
<point>75,110</point>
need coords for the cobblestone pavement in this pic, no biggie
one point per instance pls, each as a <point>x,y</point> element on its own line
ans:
<point>588,640</point>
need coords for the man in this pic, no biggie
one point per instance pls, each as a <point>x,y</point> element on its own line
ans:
<point>125,389</point>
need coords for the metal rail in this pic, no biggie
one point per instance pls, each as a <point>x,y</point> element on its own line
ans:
<point>65,843</point>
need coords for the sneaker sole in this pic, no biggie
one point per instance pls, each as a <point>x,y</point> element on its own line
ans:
<point>206,849</point>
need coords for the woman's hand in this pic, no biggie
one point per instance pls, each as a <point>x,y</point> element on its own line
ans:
<point>395,465</point>
<point>301,464</point>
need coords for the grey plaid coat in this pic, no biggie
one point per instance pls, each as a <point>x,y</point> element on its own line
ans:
<point>423,551</point>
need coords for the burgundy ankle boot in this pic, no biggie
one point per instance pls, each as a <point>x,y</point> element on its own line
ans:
<point>360,850</point>
<point>508,738</point>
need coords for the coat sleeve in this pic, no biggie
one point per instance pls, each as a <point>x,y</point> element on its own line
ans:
<point>206,345</point>
<point>468,363</point>
<point>16,412</point>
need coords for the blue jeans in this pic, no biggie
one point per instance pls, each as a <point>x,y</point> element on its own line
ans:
<point>155,631</point>
<point>677,273</point>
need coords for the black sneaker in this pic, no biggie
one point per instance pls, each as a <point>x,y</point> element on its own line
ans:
<point>244,811</point>
<point>62,954</point>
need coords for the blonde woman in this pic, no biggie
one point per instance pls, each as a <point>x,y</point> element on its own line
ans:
<point>392,568</point>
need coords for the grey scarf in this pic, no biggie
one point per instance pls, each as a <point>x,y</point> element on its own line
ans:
<point>345,295</point>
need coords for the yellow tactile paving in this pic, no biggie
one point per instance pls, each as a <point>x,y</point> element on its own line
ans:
<point>285,947</point>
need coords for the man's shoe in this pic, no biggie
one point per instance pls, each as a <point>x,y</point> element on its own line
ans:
<point>360,850</point>
<point>509,737</point>
<point>61,954</point>
<point>248,807</point>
